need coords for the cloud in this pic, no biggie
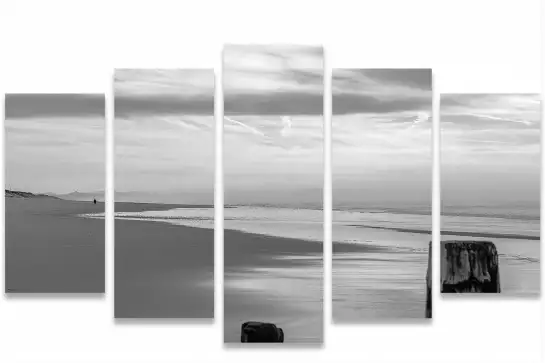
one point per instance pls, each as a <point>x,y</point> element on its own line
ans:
<point>173,82</point>
<point>343,104</point>
<point>490,111</point>
<point>273,126</point>
<point>490,148</point>
<point>246,127</point>
<point>188,124</point>
<point>417,78</point>
<point>163,92</point>
<point>381,136</point>
<point>421,118</point>
<point>286,122</point>
<point>381,90</point>
<point>282,132</point>
<point>55,142</point>
<point>26,105</point>
<point>55,154</point>
<point>490,117</point>
<point>169,154</point>
<point>126,106</point>
<point>274,104</point>
<point>273,80</point>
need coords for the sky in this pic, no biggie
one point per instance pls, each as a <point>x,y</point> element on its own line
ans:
<point>273,124</point>
<point>55,142</point>
<point>381,138</point>
<point>164,135</point>
<point>490,149</point>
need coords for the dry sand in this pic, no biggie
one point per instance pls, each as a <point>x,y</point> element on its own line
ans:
<point>276,280</point>
<point>51,250</point>
<point>162,270</point>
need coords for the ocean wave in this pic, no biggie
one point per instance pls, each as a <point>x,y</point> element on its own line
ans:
<point>348,227</point>
<point>454,233</point>
<point>521,258</point>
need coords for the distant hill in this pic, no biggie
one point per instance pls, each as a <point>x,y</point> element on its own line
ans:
<point>19,194</point>
<point>82,196</point>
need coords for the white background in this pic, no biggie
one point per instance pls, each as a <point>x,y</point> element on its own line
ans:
<point>73,46</point>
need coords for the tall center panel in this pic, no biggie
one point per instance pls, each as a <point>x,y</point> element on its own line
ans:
<point>273,190</point>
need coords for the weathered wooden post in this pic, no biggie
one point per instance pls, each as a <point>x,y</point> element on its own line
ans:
<point>469,266</point>
<point>428,286</point>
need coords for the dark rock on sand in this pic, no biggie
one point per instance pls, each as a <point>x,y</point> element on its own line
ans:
<point>257,332</point>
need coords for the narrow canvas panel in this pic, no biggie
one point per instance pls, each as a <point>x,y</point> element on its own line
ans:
<point>55,173</point>
<point>164,193</point>
<point>490,193</point>
<point>273,179</point>
<point>382,189</point>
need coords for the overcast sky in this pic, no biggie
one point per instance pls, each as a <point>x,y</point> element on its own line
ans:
<point>381,137</point>
<point>273,125</point>
<point>55,142</point>
<point>490,149</point>
<point>164,133</point>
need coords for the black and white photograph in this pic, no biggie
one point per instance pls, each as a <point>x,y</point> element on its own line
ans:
<point>54,177</point>
<point>273,169</point>
<point>382,194</point>
<point>490,194</point>
<point>164,132</point>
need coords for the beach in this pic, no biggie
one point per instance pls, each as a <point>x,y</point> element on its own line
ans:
<point>268,276</point>
<point>377,280</point>
<point>162,270</point>
<point>380,260</point>
<point>49,249</point>
<point>276,280</point>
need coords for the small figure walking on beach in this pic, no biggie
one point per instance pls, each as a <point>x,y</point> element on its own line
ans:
<point>94,201</point>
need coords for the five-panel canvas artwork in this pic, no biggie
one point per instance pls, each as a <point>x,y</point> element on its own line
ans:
<point>273,156</point>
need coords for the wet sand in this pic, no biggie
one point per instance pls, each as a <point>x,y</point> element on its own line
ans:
<point>51,250</point>
<point>277,280</point>
<point>371,283</point>
<point>162,270</point>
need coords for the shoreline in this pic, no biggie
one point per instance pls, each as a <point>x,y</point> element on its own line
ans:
<point>246,256</point>
<point>454,233</point>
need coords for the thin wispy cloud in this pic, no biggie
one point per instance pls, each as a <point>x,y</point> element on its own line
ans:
<point>381,136</point>
<point>164,133</point>
<point>491,111</point>
<point>273,123</point>
<point>55,142</point>
<point>245,126</point>
<point>490,147</point>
